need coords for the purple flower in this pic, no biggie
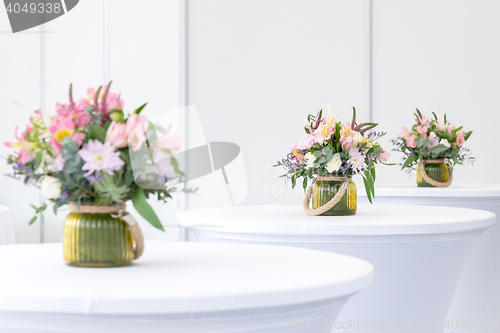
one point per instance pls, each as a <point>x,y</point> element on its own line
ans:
<point>64,196</point>
<point>93,178</point>
<point>100,156</point>
<point>357,160</point>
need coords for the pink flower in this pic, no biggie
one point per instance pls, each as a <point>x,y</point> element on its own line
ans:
<point>346,136</point>
<point>170,142</point>
<point>450,128</point>
<point>117,135</point>
<point>404,133</point>
<point>63,127</point>
<point>424,121</point>
<point>323,132</point>
<point>137,126</point>
<point>112,99</point>
<point>26,148</point>
<point>100,156</point>
<point>58,165</point>
<point>434,142</point>
<point>422,130</point>
<point>415,121</point>
<point>357,160</point>
<point>83,103</point>
<point>133,132</point>
<point>410,142</point>
<point>460,138</point>
<point>384,156</point>
<point>304,143</point>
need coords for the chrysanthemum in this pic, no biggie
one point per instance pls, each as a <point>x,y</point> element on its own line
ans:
<point>100,156</point>
<point>357,160</point>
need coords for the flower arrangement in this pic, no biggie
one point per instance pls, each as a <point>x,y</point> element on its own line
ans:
<point>432,139</point>
<point>81,154</point>
<point>332,147</point>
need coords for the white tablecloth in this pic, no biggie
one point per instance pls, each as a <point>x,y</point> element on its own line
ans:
<point>177,287</point>
<point>419,253</point>
<point>6,227</point>
<point>478,292</point>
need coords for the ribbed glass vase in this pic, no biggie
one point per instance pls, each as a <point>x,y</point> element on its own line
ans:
<point>97,240</point>
<point>436,171</point>
<point>324,191</point>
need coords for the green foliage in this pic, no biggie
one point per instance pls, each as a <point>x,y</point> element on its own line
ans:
<point>97,133</point>
<point>143,208</point>
<point>110,189</point>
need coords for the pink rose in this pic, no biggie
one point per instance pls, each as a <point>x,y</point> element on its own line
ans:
<point>132,133</point>
<point>137,126</point>
<point>384,156</point>
<point>117,135</point>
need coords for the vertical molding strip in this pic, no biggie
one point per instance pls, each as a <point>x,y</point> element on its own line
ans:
<point>368,61</point>
<point>105,41</point>
<point>42,78</point>
<point>183,99</point>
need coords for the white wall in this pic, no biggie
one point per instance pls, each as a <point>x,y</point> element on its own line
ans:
<point>439,54</point>
<point>143,61</point>
<point>255,66</point>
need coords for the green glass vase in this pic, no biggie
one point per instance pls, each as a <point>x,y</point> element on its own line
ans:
<point>97,240</point>
<point>324,191</point>
<point>436,171</point>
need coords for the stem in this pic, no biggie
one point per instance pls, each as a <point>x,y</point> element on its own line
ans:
<point>83,189</point>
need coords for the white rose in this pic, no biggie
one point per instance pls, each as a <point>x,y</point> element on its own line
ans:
<point>51,187</point>
<point>334,164</point>
<point>357,138</point>
<point>310,158</point>
<point>445,143</point>
<point>432,135</point>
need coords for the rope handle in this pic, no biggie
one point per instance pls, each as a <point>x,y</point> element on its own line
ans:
<point>135,231</point>
<point>326,207</point>
<point>432,181</point>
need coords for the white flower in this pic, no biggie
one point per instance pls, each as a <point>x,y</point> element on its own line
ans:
<point>334,164</point>
<point>432,135</point>
<point>310,158</point>
<point>357,138</point>
<point>445,143</point>
<point>51,187</point>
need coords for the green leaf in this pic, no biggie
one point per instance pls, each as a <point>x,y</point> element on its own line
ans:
<point>373,173</point>
<point>139,109</point>
<point>39,157</point>
<point>409,161</point>
<point>145,210</point>
<point>467,135</point>
<point>33,220</point>
<point>367,189</point>
<point>97,133</point>
<point>337,133</point>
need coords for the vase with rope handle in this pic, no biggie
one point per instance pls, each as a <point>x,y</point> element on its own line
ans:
<point>434,173</point>
<point>101,236</point>
<point>326,187</point>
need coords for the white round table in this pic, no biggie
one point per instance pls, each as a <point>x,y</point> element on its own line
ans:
<point>178,287</point>
<point>478,292</point>
<point>6,227</point>
<point>418,252</point>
